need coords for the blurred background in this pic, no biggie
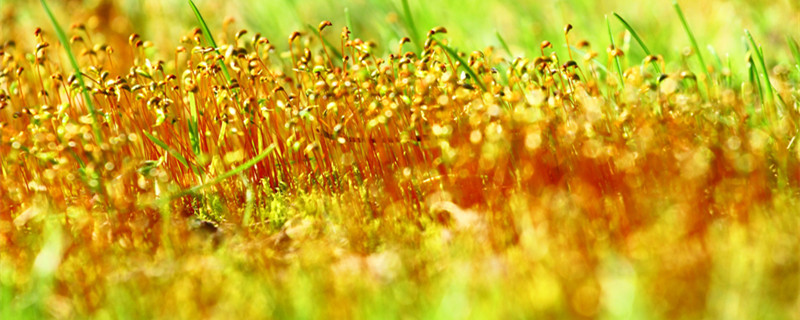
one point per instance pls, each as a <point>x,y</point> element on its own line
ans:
<point>472,24</point>
<point>743,270</point>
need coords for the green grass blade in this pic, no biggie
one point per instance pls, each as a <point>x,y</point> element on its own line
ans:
<point>412,28</point>
<point>691,38</point>
<point>717,59</point>
<point>504,44</point>
<point>62,37</point>
<point>754,79</point>
<point>326,43</point>
<point>729,77</point>
<point>751,109</point>
<point>795,51</point>
<point>210,38</point>
<point>347,20</point>
<point>466,67</point>
<point>616,58</point>
<point>194,134</point>
<point>765,73</point>
<point>502,71</point>
<point>596,63</point>
<point>171,151</point>
<point>638,39</point>
<point>228,174</point>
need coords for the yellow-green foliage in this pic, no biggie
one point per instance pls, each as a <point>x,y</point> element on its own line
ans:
<point>323,175</point>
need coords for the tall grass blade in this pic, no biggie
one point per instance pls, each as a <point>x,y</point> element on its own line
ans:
<point>194,133</point>
<point>616,58</point>
<point>227,174</point>
<point>714,54</point>
<point>412,28</point>
<point>765,73</point>
<point>326,43</point>
<point>504,44</point>
<point>62,37</point>
<point>596,63</point>
<point>795,51</point>
<point>503,72</point>
<point>638,39</point>
<point>347,21</point>
<point>691,38</point>
<point>210,38</point>
<point>171,151</point>
<point>729,77</point>
<point>753,76</point>
<point>464,64</point>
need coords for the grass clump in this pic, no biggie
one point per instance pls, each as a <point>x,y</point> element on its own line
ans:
<point>320,178</point>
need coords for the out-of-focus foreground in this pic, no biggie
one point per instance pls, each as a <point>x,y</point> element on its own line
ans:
<point>523,161</point>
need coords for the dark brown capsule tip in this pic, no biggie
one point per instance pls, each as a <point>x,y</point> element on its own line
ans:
<point>294,36</point>
<point>436,30</point>
<point>323,25</point>
<point>240,33</point>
